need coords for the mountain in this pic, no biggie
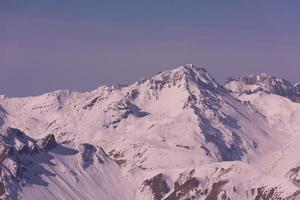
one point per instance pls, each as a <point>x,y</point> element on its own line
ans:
<point>176,135</point>
<point>266,83</point>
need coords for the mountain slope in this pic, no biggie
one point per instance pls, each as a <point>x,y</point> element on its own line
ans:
<point>176,135</point>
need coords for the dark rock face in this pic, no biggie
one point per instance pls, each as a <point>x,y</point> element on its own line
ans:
<point>89,153</point>
<point>157,185</point>
<point>216,190</point>
<point>234,151</point>
<point>2,188</point>
<point>297,91</point>
<point>121,110</point>
<point>294,196</point>
<point>24,158</point>
<point>189,187</point>
<point>118,157</point>
<point>271,85</point>
<point>17,140</point>
<point>9,135</point>
<point>184,190</point>
<point>183,177</point>
<point>294,175</point>
<point>186,187</point>
<point>4,149</point>
<point>47,143</point>
<point>91,103</point>
<point>3,113</point>
<point>101,156</point>
<point>273,193</point>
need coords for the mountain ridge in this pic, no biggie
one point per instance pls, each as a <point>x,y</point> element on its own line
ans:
<point>266,83</point>
<point>158,135</point>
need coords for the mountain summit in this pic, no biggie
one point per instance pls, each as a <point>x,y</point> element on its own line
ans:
<point>187,73</point>
<point>265,83</point>
<point>176,135</point>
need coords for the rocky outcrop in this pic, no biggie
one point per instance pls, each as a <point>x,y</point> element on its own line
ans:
<point>89,153</point>
<point>294,175</point>
<point>157,185</point>
<point>181,76</point>
<point>187,190</point>
<point>47,143</point>
<point>266,83</point>
<point>294,196</point>
<point>3,114</point>
<point>18,140</point>
<point>216,190</point>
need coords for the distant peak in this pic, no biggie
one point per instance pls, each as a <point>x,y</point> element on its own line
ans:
<point>297,85</point>
<point>267,83</point>
<point>187,73</point>
<point>188,67</point>
<point>252,78</point>
<point>262,78</point>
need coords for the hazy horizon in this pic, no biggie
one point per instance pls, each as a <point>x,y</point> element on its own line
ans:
<point>80,45</point>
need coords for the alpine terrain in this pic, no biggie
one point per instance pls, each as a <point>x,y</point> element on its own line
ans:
<point>178,135</point>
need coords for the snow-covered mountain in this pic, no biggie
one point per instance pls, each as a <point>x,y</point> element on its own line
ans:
<point>264,82</point>
<point>175,136</point>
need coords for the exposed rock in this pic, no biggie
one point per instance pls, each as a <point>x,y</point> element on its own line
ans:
<point>187,190</point>
<point>91,103</point>
<point>101,155</point>
<point>264,193</point>
<point>186,187</point>
<point>120,110</point>
<point>3,114</point>
<point>294,196</point>
<point>89,153</point>
<point>216,189</point>
<point>47,143</point>
<point>22,148</point>
<point>18,140</point>
<point>9,135</point>
<point>157,185</point>
<point>266,83</point>
<point>183,177</point>
<point>4,151</point>
<point>2,188</point>
<point>297,89</point>
<point>182,146</point>
<point>294,175</point>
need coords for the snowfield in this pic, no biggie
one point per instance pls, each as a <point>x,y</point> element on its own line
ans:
<point>178,135</point>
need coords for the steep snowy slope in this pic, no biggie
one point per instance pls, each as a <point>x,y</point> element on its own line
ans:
<point>176,135</point>
<point>284,115</point>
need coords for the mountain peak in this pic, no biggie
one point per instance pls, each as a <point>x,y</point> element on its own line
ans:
<point>267,83</point>
<point>166,137</point>
<point>190,67</point>
<point>186,74</point>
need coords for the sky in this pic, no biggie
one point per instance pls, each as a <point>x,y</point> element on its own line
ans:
<point>80,45</point>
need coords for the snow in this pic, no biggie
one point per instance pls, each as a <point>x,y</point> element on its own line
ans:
<point>284,116</point>
<point>171,123</point>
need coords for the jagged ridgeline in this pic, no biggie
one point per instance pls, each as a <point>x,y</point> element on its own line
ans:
<point>177,135</point>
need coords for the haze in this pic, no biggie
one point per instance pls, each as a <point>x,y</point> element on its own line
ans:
<point>79,45</point>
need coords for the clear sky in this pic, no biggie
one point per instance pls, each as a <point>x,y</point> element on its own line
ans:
<point>58,44</point>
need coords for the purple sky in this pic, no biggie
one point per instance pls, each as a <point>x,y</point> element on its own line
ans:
<point>79,45</point>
